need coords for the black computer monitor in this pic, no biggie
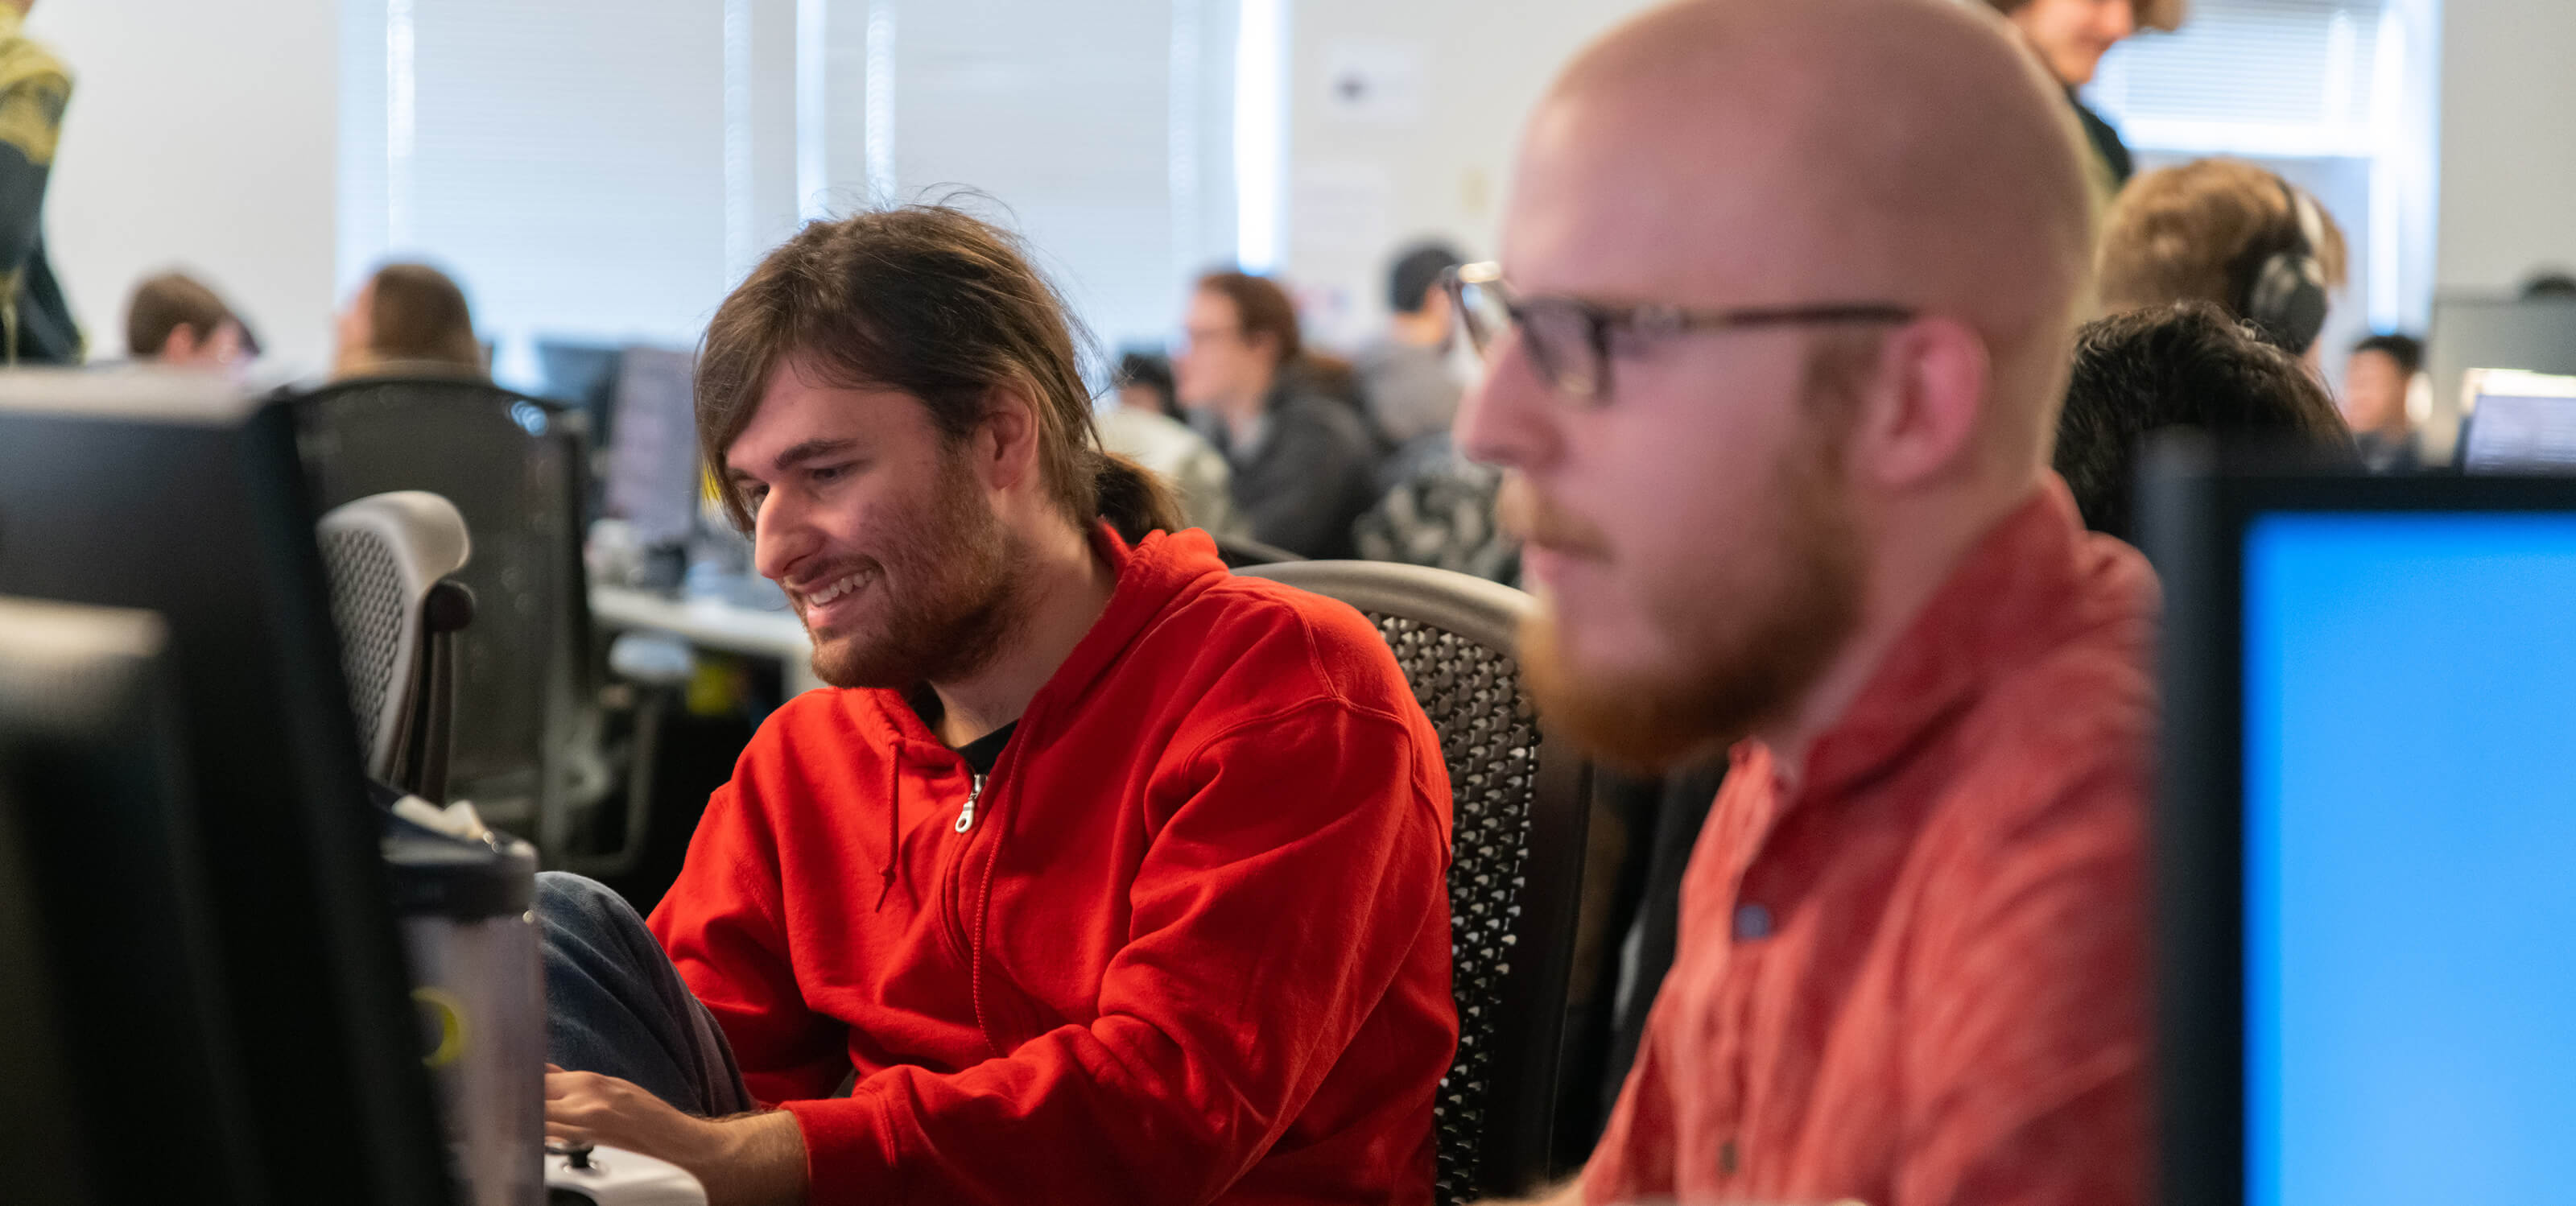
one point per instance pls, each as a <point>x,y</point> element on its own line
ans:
<point>2519,422</point>
<point>170,493</point>
<point>108,966</point>
<point>2367,944</point>
<point>652,480</point>
<point>583,375</point>
<point>2468,332</point>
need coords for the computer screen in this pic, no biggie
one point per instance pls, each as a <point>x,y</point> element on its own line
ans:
<point>582,375</point>
<point>2409,845</point>
<point>108,967</point>
<point>174,494</point>
<point>2519,423</point>
<point>2469,333</point>
<point>653,475</point>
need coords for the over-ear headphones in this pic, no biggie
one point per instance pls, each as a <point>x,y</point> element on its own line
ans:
<point>2285,296</point>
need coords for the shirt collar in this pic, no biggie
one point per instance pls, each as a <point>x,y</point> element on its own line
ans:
<point>2033,580</point>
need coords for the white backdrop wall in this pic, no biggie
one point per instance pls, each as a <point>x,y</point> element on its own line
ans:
<point>214,137</point>
<point>1403,118</point>
<point>2508,152</point>
<point>201,136</point>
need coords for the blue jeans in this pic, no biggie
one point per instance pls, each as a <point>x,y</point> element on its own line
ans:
<point>616,1006</point>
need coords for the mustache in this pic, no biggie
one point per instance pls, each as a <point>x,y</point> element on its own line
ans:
<point>1537,519</point>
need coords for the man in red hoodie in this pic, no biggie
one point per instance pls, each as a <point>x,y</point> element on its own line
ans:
<point>1109,877</point>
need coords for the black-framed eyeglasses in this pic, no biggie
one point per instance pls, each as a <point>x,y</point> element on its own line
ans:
<point>1570,339</point>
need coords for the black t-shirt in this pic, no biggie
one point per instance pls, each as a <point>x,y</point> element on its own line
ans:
<point>984,751</point>
<point>981,753</point>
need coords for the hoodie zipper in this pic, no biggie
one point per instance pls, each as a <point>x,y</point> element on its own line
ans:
<point>966,815</point>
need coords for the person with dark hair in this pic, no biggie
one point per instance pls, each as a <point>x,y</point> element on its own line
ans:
<point>1305,465</point>
<point>2185,365</point>
<point>2549,282</point>
<point>175,319</point>
<point>1143,424</point>
<point>408,318</point>
<point>1404,374</point>
<point>1144,381</point>
<point>2070,37</point>
<point>1103,876</point>
<point>2375,382</point>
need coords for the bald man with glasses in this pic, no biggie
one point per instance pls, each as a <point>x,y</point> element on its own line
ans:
<point>1775,385</point>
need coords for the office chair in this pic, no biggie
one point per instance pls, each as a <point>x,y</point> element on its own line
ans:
<point>1243,552</point>
<point>1522,804</point>
<point>388,556</point>
<point>529,750</point>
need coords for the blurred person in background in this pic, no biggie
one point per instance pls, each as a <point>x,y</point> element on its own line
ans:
<point>36,325</point>
<point>2375,382</point>
<point>1442,513</point>
<point>2226,232</point>
<point>2183,365</point>
<point>1404,374</point>
<point>2070,37</point>
<point>1304,464</point>
<point>1142,426</point>
<point>177,320</point>
<point>1775,383</point>
<point>2549,282</point>
<point>408,319</point>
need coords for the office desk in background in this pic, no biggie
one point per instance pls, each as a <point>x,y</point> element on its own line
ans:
<point>714,624</point>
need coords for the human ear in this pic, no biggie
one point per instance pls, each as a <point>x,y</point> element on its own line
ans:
<point>1008,440</point>
<point>1923,414</point>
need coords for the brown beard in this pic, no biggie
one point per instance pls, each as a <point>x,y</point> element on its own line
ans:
<point>951,569</point>
<point>1727,680</point>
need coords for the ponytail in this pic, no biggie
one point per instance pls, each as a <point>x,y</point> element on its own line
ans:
<point>1133,500</point>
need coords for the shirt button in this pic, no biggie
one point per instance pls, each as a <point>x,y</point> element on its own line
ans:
<point>1726,1158</point>
<point>1752,923</point>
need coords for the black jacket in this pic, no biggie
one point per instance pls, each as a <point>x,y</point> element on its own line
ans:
<point>2106,142</point>
<point>1304,477</point>
<point>35,322</point>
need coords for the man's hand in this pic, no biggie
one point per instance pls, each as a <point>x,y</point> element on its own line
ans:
<point>745,1160</point>
<point>1569,1193</point>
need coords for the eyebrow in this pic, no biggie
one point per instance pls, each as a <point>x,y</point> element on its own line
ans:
<point>798,454</point>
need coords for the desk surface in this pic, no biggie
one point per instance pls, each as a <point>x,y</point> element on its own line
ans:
<point>712,624</point>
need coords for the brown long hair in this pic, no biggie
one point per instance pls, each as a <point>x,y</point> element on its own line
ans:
<point>417,313</point>
<point>1264,309</point>
<point>933,302</point>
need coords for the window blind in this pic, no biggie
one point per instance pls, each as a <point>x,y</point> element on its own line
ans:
<point>2278,77</point>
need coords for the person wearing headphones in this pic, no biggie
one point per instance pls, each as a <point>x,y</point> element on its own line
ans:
<point>2229,233</point>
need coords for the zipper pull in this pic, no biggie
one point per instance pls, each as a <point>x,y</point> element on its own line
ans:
<point>966,815</point>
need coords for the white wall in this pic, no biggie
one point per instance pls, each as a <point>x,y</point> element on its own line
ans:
<point>1433,156</point>
<point>2508,153</point>
<point>204,136</point>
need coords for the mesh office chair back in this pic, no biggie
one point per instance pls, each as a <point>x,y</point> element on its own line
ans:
<point>1521,809</point>
<point>526,715</point>
<point>385,555</point>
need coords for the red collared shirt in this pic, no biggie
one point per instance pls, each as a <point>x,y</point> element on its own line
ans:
<point>1913,974</point>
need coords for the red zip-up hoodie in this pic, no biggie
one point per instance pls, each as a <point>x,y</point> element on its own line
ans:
<point>1190,944</point>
